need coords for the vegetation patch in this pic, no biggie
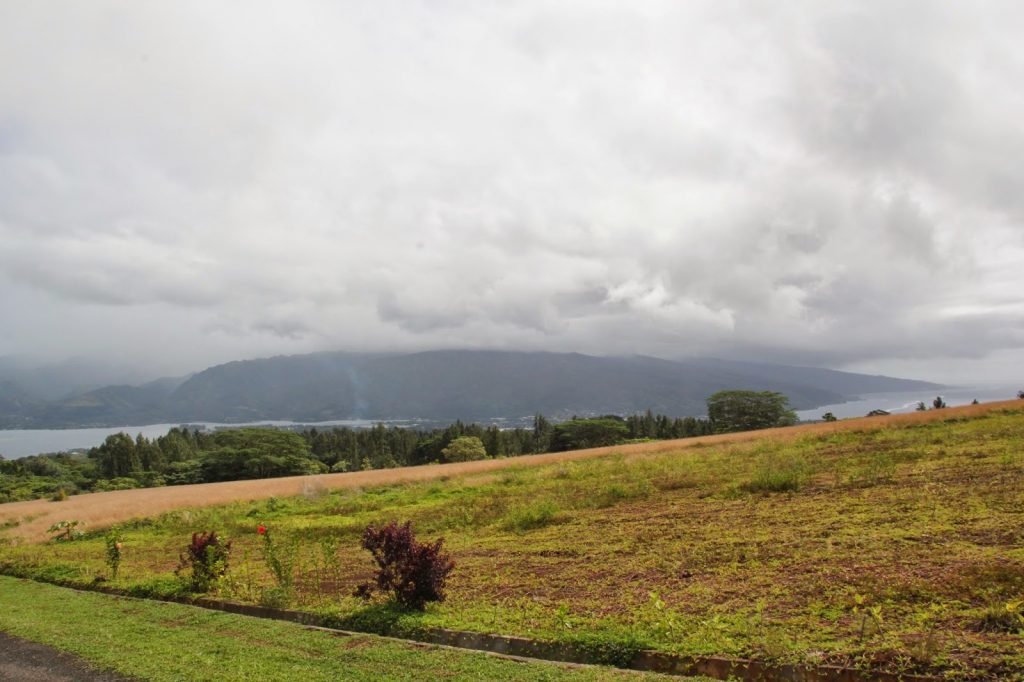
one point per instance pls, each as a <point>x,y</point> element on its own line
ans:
<point>151,639</point>
<point>531,516</point>
<point>892,549</point>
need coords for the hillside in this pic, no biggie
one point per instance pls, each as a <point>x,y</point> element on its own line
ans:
<point>892,544</point>
<point>445,386</point>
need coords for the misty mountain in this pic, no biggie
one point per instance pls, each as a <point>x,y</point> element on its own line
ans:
<point>51,381</point>
<point>438,385</point>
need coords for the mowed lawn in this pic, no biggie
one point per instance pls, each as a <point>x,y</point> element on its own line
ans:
<point>898,548</point>
<point>158,641</point>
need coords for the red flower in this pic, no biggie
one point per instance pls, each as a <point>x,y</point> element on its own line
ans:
<point>261,529</point>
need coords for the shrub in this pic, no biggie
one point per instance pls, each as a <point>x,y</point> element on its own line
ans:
<point>207,559</point>
<point>530,516</point>
<point>414,573</point>
<point>65,531</point>
<point>280,559</point>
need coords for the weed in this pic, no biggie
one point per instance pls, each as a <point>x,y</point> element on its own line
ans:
<point>778,474</point>
<point>615,493</point>
<point>876,469</point>
<point>531,516</point>
<point>607,649</point>
<point>275,597</point>
<point>1005,617</point>
<point>869,615</point>
<point>927,646</point>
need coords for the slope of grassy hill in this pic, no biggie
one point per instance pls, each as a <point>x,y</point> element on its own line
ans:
<point>897,548</point>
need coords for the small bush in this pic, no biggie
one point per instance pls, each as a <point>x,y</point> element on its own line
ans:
<point>206,557</point>
<point>275,597</point>
<point>65,531</point>
<point>413,573</point>
<point>531,516</point>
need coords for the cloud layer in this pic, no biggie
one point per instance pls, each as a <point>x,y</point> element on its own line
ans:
<point>830,184</point>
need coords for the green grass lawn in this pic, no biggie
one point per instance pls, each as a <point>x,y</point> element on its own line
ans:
<point>159,641</point>
<point>900,549</point>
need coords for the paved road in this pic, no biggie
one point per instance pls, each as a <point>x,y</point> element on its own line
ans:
<point>24,661</point>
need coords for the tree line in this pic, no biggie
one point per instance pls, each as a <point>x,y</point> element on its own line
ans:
<point>184,456</point>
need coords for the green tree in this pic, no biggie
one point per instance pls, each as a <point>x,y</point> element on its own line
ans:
<point>465,449</point>
<point>829,417</point>
<point>117,456</point>
<point>577,434</point>
<point>938,403</point>
<point>731,411</point>
<point>236,454</point>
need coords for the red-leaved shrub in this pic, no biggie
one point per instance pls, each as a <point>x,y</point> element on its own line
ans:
<point>414,573</point>
<point>207,557</point>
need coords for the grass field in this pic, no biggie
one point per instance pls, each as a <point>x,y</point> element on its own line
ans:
<point>30,519</point>
<point>157,641</point>
<point>893,543</point>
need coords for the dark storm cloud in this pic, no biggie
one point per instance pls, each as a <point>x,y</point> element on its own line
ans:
<point>821,183</point>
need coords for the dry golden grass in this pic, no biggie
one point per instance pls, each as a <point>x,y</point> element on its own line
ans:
<point>97,510</point>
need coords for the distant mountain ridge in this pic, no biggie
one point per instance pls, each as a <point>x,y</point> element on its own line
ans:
<point>436,385</point>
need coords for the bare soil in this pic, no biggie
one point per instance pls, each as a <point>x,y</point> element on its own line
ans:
<point>24,661</point>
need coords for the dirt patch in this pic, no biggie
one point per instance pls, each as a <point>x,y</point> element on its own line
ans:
<point>25,661</point>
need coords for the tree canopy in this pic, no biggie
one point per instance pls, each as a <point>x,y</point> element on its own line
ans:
<point>465,449</point>
<point>731,411</point>
<point>577,434</point>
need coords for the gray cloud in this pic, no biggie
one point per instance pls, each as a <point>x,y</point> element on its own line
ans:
<point>834,184</point>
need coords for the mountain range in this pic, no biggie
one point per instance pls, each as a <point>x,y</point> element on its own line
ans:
<point>433,385</point>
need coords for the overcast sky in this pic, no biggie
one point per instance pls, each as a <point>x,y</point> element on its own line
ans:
<point>836,184</point>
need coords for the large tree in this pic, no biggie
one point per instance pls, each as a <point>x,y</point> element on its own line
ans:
<point>464,449</point>
<point>577,434</point>
<point>747,410</point>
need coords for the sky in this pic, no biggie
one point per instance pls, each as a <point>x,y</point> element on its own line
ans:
<point>834,184</point>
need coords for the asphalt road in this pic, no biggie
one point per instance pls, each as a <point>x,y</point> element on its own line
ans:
<point>24,661</point>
